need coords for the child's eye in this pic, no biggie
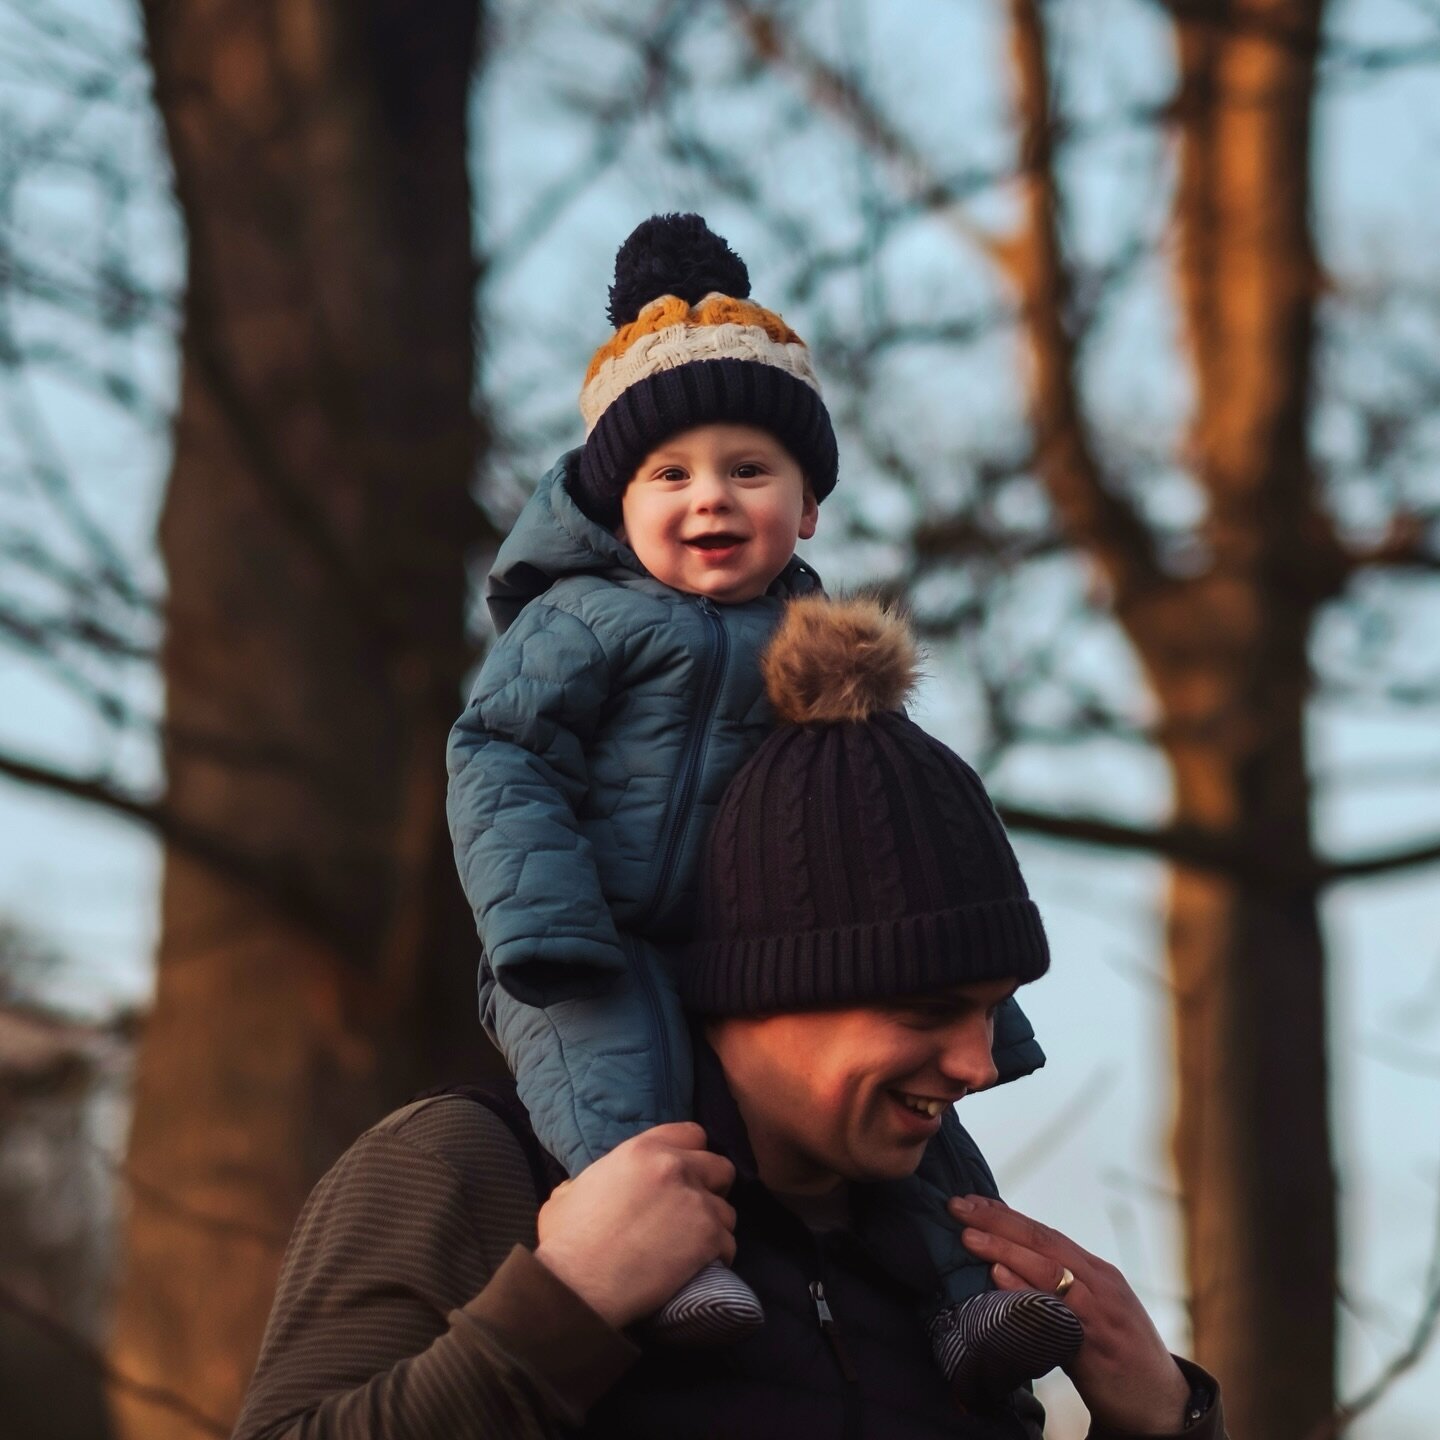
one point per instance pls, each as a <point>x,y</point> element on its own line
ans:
<point>747,471</point>
<point>671,472</point>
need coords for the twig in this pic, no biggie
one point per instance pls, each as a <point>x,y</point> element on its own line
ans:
<point>1408,1358</point>
<point>1207,850</point>
<point>279,883</point>
<point>92,1359</point>
<point>1043,1144</point>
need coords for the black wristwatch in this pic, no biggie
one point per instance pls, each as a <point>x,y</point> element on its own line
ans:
<point>1197,1407</point>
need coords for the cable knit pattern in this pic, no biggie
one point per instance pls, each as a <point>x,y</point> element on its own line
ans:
<point>794,784</point>
<point>908,880</point>
<point>884,872</point>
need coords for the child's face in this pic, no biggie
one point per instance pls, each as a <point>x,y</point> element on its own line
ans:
<point>716,511</point>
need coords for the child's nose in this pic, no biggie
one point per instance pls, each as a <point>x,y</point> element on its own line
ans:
<point>709,492</point>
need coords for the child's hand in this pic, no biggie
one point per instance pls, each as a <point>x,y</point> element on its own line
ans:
<point>632,1228</point>
<point>1125,1375</point>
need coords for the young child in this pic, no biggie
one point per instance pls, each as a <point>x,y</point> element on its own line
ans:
<point>632,602</point>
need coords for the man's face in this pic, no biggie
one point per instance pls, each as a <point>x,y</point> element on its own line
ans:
<point>835,1095</point>
<point>716,511</point>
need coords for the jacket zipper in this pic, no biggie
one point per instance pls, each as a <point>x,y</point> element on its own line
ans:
<point>669,1081</point>
<point>850,1394</point>
<point>713,669</point>
<point>712,663</point>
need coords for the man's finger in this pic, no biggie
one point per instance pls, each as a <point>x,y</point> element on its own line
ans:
<point>681,1134</point>
<point>713,1171</point>
<point>724,1213</point>
<point>994,1217</point>
<point>1036,1270</point>
<point>1007,1279</point>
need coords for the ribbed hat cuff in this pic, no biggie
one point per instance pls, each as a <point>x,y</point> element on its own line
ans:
<point>702,392</point>
<point>857,964</point>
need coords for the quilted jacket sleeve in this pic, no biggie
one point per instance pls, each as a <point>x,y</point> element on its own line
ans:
<point>517,767</point>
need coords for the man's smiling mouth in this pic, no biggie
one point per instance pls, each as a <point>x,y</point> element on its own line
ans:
<point>920,1104</point>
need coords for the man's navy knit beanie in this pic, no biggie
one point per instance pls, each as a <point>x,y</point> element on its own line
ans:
<point>854,858</point>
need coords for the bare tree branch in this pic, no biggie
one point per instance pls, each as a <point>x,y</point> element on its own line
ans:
<point>92,1359</point>
<point>1384,862</point>
<point>1063,1125</point>
<point>148,1192</point>
<point>1204,850</point>
<point>283,884</point>
<point>838,95</point>
<point>1099,520</point>
<point>1348,1411</point>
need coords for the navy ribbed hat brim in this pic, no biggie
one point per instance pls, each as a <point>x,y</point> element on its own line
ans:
<point>881,960</point>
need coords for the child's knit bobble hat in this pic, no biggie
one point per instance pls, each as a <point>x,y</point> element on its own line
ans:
<point>690,348</point>
<point>854,858</point>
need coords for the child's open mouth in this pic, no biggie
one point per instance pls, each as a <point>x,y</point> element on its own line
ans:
<point>714,542</point>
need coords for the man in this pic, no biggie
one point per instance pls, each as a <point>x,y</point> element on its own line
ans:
<point>863,923</point>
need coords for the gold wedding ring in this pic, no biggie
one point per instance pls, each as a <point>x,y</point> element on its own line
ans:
<point>1067,1279</point>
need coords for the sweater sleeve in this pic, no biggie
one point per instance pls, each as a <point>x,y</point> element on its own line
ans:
<point>518,773</point>
<point>394,1319</point>
<point>1210,1426</point>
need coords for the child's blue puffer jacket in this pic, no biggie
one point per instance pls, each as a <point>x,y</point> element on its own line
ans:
<point>602,730</point>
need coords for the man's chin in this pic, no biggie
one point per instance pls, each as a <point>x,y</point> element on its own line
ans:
<point>886,1163</point>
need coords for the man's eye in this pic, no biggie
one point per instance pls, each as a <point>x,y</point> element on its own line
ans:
<point>924,1019</point>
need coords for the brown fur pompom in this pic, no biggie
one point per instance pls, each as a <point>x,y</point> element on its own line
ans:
<point>836,660</point>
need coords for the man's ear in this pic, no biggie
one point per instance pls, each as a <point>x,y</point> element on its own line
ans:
<point>809,513</point>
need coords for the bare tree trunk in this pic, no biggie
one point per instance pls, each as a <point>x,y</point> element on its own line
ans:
<point>1252,1142</point>
<point>1252,1138</point>
<point>315,533</point>
<point>1226,653</point>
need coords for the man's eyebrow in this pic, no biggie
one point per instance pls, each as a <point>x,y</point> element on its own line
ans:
<point>948,1000</point>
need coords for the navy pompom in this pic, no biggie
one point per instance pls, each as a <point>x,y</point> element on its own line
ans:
<point>673,255</point>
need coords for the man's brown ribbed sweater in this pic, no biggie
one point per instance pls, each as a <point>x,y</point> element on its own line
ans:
<point>410,1305</point>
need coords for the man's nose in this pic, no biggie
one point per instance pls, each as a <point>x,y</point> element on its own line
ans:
<point>968,1056</point>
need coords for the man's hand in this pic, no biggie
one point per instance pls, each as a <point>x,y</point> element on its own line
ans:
<point>632,1228</point>
<point>1123,1372</point>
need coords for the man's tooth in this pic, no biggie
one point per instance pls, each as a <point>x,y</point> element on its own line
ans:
<point>922,1106</point>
